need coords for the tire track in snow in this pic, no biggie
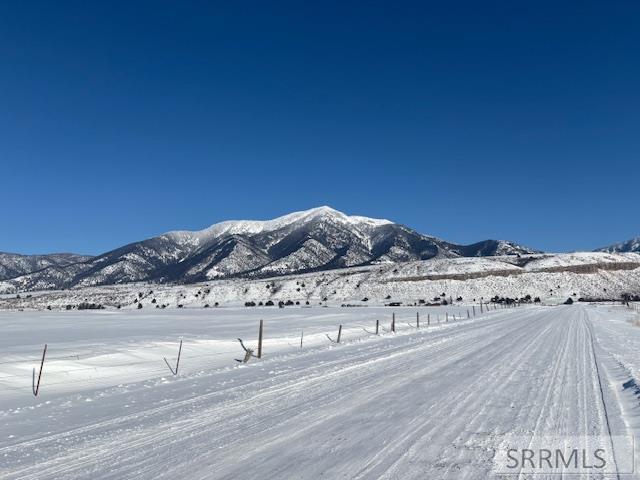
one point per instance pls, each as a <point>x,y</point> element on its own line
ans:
<point>67,463</point>
<point>370,409</point>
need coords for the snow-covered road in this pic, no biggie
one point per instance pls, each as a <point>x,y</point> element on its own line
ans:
<point>428,404</point>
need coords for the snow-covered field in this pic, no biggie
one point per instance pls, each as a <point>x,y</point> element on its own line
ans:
<point>89,349</point>
<point>431,403</point>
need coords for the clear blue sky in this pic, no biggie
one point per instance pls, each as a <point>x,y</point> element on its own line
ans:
<point>466,120</point>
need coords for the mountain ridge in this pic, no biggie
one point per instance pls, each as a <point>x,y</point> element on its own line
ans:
<point>17,264</point>
<point>317,239</point>
<point>628,246</point>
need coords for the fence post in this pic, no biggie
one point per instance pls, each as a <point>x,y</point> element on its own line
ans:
<point>417,319</point>
<point>175,372</point>
<point>339,335</point>
<point>301,337</point>
<point>393,323</point>
<point>260,340</point>
<point>377,326</point>
<point>428,319</point>
<point>447,319</point>
<point>468,314</point>
<point>474,310</point>
<point>481,306</point>
<point>36,388</point>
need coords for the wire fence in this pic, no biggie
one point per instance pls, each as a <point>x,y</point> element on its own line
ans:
<point>109,367</point>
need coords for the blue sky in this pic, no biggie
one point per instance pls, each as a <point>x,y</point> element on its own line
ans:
<point>465,120</point>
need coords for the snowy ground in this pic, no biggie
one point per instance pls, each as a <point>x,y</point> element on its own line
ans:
<point>432,403</point>
<point>90,349</point>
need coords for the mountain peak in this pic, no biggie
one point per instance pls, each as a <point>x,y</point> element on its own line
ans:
<point>326,211</point>
<point>251,227</point>
<point>632,245</point>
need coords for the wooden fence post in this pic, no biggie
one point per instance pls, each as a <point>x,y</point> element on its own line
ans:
<point>36,388</point>
<point>301,337</point>
<point>428,319</point>
<point>260,340</point>
<point>468,314</point>
<point>447,319</point>
<point>175,372</point>
<point>417,319</point>
<point>372,333</point>
<point>339,335</point>
<point>393,323</point>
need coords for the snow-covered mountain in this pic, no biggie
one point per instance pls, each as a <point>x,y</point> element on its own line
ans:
<point>317,239</point>
<point>14,265</point>
<point>632,246</point>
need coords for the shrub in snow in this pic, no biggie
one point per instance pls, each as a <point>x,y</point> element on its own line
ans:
<point>90,306</point>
